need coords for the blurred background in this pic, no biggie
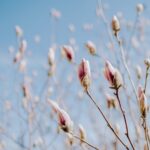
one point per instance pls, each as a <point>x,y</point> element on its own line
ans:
<point>30,123</point>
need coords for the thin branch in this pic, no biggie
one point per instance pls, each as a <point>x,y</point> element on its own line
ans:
<point>124,117</point>
<point>90,145</point>
<point>108,124</point>
<point>126,66</point>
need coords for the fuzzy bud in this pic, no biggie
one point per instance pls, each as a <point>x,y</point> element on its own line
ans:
<point>147,62</point>
<point>112,75</point>
<point>64,120</point>
<point>115,25</point>
<point>67,51</point>
<point>138,72</point>
<point>142,101</point>
<point>82,133</point>
<point>91,47</point>
<point>51,56</point>
<point>84,74</point>
<point>54,105</point>
<point>139,8</point>
<point>111,101</point>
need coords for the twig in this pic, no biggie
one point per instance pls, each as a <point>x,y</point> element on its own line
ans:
<point>144,125</point>
<point>124,117</point>
<point>108,124</point>
<point>126,66</point>
<point>84,141</point>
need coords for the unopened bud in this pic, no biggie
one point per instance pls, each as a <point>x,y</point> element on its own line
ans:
<point>91,47</point>
<point>115,25</point>
<point>142,101</point>
<point>139,8</point>
<point>84,74</point>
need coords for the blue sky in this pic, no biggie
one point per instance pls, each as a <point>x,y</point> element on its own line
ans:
<point>33,16</point>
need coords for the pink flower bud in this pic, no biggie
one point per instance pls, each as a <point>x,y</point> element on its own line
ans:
<point>68,52</point>
<point>142,101</point>
<point>84,74</point>
<point>54,105</point>
<point>112,75</point>
<point>91,47</point>
<point>64,120</point>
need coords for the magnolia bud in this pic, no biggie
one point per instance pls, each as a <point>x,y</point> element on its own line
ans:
<point>112,75</point>
<point>142,101</point>
<point>54,105</point>
<point>115,25</point>
<point>147,62</point>
<point>138,72</point>
<point>139,8</point>
<point>64,120</point>
<point>51,56</point>
<point>82,133</point>
<point>91,47</point>
<point>111,101</point>
<point>68,52</point>
<point>84,74</point>
<point>19,31</point>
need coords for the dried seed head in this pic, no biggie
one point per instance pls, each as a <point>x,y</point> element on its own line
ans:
<point>84,74</point>
<point>112,75</point>
<point>91,47</point>
<point>139,8</point>
<point>64,120</point>
<point>19,32</point>
<point>67,51</point>
<point>115,25</point>
<point>82,133</point>
<point>142,101</point>
<point>147,62</point>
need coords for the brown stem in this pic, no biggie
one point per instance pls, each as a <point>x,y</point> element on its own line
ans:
<point>90,145</point>
<point>124,117</point>
<point>144,125</point>
<point>108,124</point>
